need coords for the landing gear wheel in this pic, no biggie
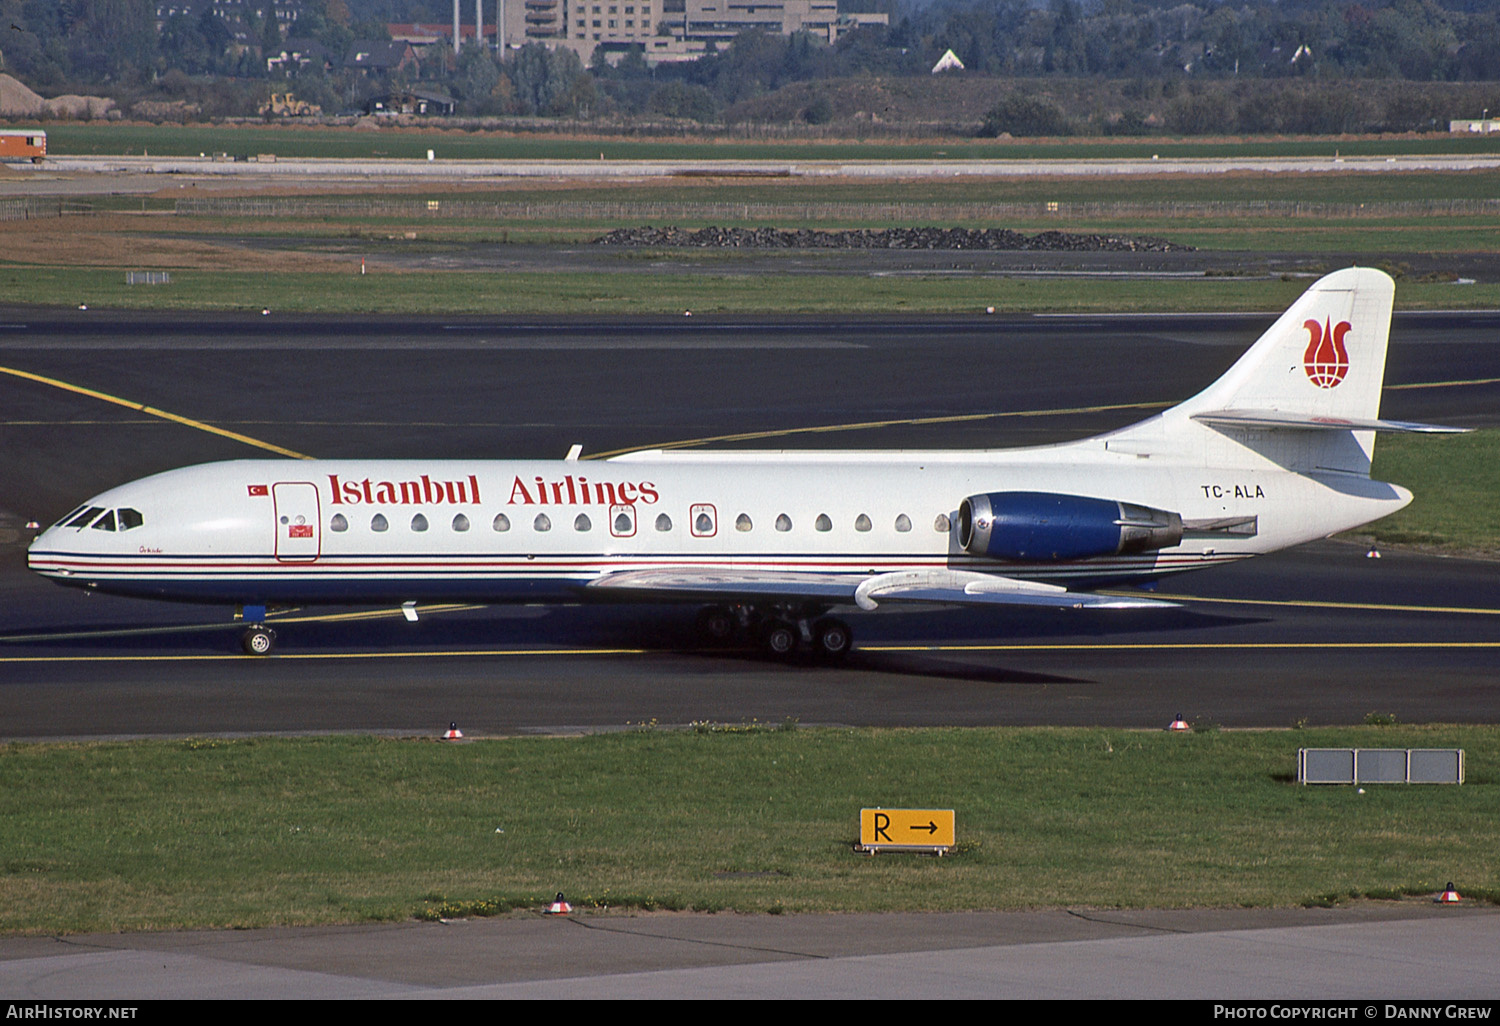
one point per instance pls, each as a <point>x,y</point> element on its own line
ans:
<point>780,639</point>
<point>718,625</point>
<point>832,639</point>
<point>258,641</point>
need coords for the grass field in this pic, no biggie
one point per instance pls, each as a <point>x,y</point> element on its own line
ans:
<point>460,144</point>
<point>1350,188</point>
<point>153,835</point>
<point>624,293</point>
<point>1455,480</point>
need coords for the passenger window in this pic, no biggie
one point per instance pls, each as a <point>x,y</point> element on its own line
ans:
<point>861,523</point>
<point>378,522</point>
<point>130,518</point>
<point>783,523</point>
<point>663,522</point>
<point>106,522</point>
<point>941,524</point>
<point>419,523</point>
<point>501,522</point>
<point>460,522</point>
<point>338,523</point>
<point>542,522</point>
<point>903,523</point>
<point>742,522</point>
<point>623,524</point>
<point>582,523</point>
<point>823,523</point>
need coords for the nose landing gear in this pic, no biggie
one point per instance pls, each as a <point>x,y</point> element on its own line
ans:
<point>258,640</point>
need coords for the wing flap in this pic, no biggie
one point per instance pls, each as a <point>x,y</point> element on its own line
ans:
<point>938,586</point>
<point>726,585</point>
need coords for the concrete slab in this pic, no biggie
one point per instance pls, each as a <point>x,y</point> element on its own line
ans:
<point>1397,951</point>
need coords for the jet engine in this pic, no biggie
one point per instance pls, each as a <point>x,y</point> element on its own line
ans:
<point>1040,527</point>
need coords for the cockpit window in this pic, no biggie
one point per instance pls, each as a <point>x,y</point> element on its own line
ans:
<point>63,520</point>
<point>124,519</point>
<point>82,519</point>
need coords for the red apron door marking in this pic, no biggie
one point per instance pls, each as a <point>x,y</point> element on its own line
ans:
<point>703,519</point>
<point>622,520</point>
<point>297,535</point>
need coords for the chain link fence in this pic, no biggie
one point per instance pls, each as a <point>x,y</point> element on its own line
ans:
<point>293,207</point>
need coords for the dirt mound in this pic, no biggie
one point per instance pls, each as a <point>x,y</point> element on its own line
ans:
<point>70,105</point>
<point>16,100</point>
<point>165,110</point>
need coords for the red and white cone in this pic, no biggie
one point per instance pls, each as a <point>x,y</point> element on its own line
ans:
<point>559,907</point>
<point>1179,724</point>
<point>453,733</point>
<point>1449,896</point>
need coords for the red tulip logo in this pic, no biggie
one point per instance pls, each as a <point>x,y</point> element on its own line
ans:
<point>1326,360</point>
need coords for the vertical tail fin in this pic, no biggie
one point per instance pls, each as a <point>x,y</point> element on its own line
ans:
<point>1306,396</point>
<point>1324,357</point>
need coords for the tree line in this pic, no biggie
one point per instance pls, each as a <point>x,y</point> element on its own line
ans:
<point>1249,65</point>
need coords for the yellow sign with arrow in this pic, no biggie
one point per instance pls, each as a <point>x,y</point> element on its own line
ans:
<point>906,829</point>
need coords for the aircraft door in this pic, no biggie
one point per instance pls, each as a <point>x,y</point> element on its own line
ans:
<point>297,534</point>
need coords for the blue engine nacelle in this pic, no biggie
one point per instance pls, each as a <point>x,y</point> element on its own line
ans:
<point>1042,527</point>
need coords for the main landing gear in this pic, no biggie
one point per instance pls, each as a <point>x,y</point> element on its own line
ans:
<point>780,631</point>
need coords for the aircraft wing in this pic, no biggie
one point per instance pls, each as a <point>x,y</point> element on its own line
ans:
<point>937,586</point>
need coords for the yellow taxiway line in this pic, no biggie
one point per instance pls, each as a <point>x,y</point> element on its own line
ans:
<point>490,653</point>
<point>1315,604</point>
<point>292,616</point>
<point>681,443</point>
<point>1176,646</point>
<point>869,425</point>
<point>222,657</point>
<point>749,436</point>
<point>153,411</point>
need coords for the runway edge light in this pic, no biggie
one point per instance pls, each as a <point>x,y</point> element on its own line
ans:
<point>559,906</point>
<point>453,733</point>
<point>1179,724</point>
<point>1449,896</point>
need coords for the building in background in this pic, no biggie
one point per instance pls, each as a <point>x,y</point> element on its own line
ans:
<point>664,30</point>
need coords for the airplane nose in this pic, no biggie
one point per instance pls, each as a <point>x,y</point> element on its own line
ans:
<point>38,543</point>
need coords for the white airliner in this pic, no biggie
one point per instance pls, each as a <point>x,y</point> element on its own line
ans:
<point>1274,453</point>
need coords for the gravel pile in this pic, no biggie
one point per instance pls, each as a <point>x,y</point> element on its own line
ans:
<point>884,238</point>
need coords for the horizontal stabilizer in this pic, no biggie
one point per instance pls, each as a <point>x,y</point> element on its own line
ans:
<point>938,586</point>
<point>1279,419</point>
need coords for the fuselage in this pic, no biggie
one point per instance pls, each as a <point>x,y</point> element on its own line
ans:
<point>352,531</point>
